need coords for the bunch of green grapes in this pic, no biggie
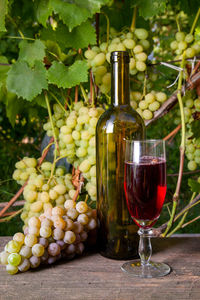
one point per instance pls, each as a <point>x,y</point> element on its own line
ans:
<point>191,104</point>
<point>136,43</point>
<point>192,151</point>
<point>147,105</point>
<point>185,42</point>
<point>57,233</point>
<point>76,139</point>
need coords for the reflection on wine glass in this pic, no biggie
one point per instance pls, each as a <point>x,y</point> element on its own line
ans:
<point>145,189</point>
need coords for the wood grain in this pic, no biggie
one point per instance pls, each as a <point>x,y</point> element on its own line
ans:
<point>94,277</point>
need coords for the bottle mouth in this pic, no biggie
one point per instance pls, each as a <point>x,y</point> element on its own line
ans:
<point>117,56</point>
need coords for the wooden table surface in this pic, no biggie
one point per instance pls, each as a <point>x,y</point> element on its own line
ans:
<point>94,277</point>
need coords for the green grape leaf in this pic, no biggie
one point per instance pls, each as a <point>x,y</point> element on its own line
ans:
<point>13,107</point>
<point>194,185</point>
<point>71,14</point>
<point>43,11</point>
<point>80,37</point>
<point>31,51</point>
<point>3,69</point>
<point>93,6</point>
<point>150,8</point>
<point>74,12</point>
<point>3,12</point>
<point>27,82</point>
<point>40,100</point>
<point>67,77</point>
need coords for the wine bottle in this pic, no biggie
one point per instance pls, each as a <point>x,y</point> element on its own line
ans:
<point>117,234</point>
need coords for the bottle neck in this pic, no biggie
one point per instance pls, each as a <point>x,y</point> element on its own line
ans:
<point>120,94</point>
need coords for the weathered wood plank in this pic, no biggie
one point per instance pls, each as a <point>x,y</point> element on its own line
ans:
<point>94,277</point>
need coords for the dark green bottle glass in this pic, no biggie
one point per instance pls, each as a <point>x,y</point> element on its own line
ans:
<point>117,233</point>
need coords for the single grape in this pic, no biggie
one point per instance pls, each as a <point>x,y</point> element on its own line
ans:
<point>154,106</point>
<point>150,98</point>
<point>34,261</point>
<point>83,219</point>
<point>45,231</point>
<point>38,250</point>
<point>141,33</point>
<point>143,104</point>
<point>14,259</point>
<point>69,237</point>
<point>147,114</point>
<point>82,207</point>
<point>25,251</point>
<point>180,36</point>
<point>189,38</point>
<point>72,213</point>
<point>69,204</point>
<point>54,249</point>
<point>19,237</point>
<point>13,247</point>
<point>192,165</point>
<point>24,265</point>
<point>4,257</point>
<point>11,269</point>
<point>174,45</point>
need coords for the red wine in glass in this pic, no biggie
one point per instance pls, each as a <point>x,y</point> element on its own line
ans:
<point>145,189</point>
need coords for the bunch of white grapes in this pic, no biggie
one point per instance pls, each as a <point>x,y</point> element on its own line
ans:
<point>57,233</point>
<point>191,104</point>
<point>192,151</point>
<point>76,139</point>
<point>147,105</point>
<point>136,43</point>
<point>40,193</point>
<point>185,42</point>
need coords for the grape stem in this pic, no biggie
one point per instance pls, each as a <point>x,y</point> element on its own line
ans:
<point>14,198</point>
<point>177,22</point>
<point>172,133</point>
<point>18,203</point>
<point>55,98</point>
<point>182,149</point>
<point>158,231</point>
<point>179,225</point>
<point>84,93</point>
<point>169,104</point>
<point>133,19</point>
<point>107,29</point>
<point>184,173</point>
<point>54,136</point>
<point>76,94</point>
<point>7,219</point>
<point>195,21</point>
<point>191,221</point>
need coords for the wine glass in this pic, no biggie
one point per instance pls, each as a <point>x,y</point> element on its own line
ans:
<point>145,190</point>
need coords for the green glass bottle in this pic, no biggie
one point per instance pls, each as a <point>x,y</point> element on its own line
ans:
<point>117,233</point>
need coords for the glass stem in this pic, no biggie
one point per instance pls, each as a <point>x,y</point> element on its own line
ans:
<point>145,249</point>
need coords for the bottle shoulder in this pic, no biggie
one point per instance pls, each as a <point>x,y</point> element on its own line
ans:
<point>118,114</point>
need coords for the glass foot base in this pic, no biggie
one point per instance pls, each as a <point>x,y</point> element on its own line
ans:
<point>152,270</point>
